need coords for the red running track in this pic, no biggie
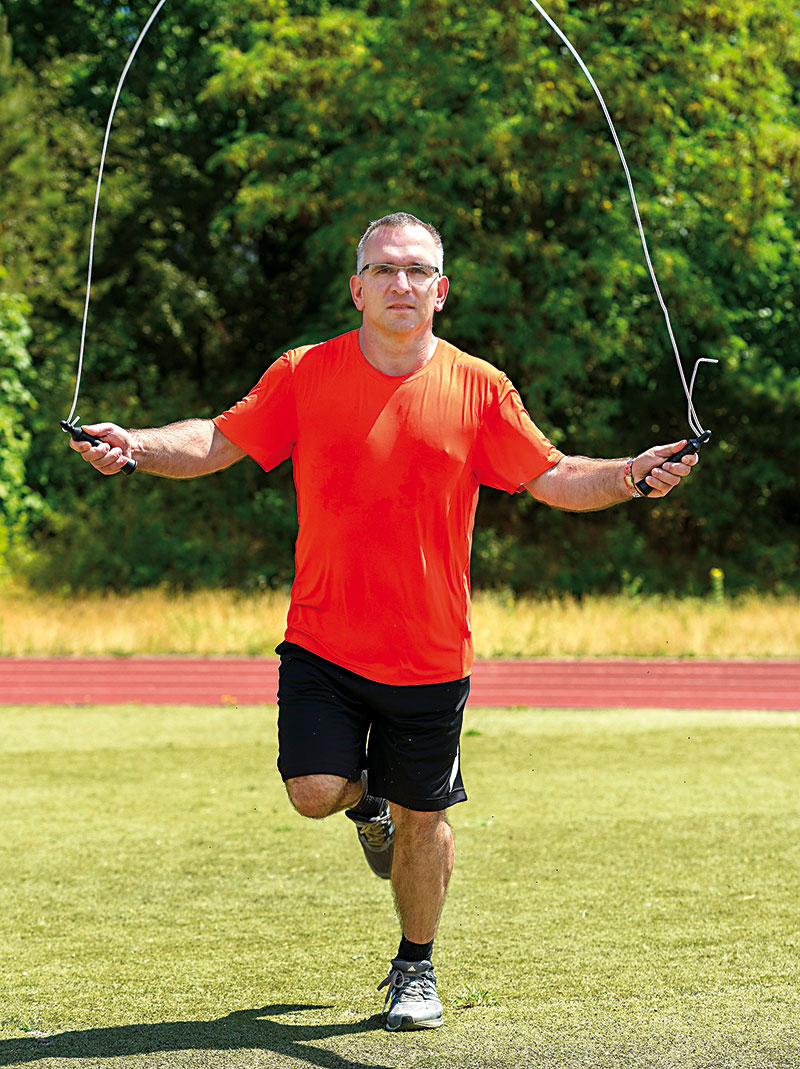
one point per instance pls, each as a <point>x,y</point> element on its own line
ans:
<point>582,684</point>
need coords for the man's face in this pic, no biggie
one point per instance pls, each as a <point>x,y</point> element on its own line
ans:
<point>395,302</point>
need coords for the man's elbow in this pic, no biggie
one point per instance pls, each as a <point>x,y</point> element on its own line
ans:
<point>223,453</point>
<point>545,487</point>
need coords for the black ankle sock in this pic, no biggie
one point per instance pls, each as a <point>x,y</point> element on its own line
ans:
<point>369,805</point>
<point>415,951</point>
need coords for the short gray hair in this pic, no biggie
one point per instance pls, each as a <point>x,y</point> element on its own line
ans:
<point>398,221</point>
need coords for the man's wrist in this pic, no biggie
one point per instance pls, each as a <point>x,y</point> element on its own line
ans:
<point>630,482</point>
<point>134,445</point>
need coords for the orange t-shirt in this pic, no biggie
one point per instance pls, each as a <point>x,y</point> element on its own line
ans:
<point>387,470</point>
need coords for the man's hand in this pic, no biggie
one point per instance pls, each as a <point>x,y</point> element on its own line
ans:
<point>114,451</point>
<point>659,473</point>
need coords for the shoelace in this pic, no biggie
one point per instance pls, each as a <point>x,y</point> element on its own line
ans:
<point>404,983</point>
<point>376,832</point>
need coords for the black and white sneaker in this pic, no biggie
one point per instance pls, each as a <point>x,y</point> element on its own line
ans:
<point>411,1001</point>
<point>376,835</point>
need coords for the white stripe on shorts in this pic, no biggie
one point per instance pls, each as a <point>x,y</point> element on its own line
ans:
<point>454,773</point>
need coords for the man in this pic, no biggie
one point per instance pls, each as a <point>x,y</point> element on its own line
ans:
<point>391,432</point>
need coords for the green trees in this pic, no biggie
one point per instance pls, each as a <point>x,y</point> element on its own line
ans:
<point>254,141</point>
<point>17,503</point>
<point>19,153</point>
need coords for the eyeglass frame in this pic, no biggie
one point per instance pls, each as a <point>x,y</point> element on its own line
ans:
<point>402,267</point>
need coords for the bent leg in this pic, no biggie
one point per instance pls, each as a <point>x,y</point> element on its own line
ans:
<point>421,869</point>
<point>320,795</point>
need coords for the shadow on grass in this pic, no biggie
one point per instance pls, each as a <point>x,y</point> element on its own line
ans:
<point>244,1030</point>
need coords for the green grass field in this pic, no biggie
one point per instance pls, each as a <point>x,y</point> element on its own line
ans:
<point>625,895</point>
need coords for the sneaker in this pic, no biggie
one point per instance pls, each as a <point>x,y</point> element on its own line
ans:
<point>411,999</point>
<point>376,835</point>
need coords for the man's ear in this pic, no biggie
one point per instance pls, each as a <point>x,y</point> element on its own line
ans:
<point>357,291</point>
<point>442,289</point>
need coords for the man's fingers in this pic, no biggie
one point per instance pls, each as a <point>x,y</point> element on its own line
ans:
<point>663,480</point>
<point>88,451</point>
<point>100,430</point>
<point>112,462</point>
<point>682,467</point>
<point>664,477</point>
<point>106,459</point>
<point>115,462</point>
<point>110,451</point>
<point>668,450</point>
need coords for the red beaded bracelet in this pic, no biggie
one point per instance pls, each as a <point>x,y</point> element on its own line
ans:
<point>630,485</point>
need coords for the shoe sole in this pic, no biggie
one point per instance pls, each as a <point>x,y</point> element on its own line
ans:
<point>376,859</point>
<point>380,861</point>
<point>408,1024</point>
<point>384,874</point>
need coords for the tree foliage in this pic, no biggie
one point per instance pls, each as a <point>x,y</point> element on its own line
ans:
<point>17,502</point>
<point>256,138</point>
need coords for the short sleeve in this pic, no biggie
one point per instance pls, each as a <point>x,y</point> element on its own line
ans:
<point>264,423</point>
<point>510,450</point>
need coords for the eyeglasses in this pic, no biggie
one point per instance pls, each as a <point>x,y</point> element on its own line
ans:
<point>415,273</point>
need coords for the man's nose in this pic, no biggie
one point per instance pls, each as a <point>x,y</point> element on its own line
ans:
<point>401,282</point>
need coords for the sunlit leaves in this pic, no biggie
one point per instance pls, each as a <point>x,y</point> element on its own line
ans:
<point>256,138</point>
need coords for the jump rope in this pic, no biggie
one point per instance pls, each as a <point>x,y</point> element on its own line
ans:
<point>71,424</point>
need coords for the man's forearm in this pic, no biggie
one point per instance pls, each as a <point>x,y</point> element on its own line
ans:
<point>582,484</point>
<point>182,450</point>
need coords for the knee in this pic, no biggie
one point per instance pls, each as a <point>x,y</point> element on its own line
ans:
<point>315,796</point>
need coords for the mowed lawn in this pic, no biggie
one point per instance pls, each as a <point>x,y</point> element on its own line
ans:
<point>626,894</point>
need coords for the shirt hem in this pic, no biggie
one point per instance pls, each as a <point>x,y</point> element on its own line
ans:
<point>410,678</point>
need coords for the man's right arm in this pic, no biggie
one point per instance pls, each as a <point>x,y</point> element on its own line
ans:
<point>178,451</point>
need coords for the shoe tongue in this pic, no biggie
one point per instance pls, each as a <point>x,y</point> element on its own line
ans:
<point>412,967</point>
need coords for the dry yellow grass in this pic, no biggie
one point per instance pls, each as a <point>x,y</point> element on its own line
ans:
<point>647,627</point>
<point>145,622</point>
<point>223,622</point>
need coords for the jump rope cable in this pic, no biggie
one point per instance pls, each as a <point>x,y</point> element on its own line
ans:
<point>127,67</point>
<point>694,421</point>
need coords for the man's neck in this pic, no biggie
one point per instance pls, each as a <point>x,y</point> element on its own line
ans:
<point>396,354</point>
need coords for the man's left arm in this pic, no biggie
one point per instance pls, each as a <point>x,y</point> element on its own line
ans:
<point>583,484</point>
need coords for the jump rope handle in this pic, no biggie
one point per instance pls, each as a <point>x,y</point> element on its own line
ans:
<point>692,446</point>
<point>80,435</point>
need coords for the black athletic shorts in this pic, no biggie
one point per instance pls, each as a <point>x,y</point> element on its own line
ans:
<point>334,722</point>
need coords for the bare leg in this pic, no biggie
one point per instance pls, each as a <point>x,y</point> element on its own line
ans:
<point>319,796</point>
<point>423,862</point>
